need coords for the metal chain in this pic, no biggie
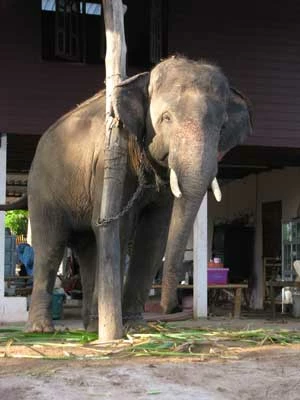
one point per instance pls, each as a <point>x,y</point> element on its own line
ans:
<point>135,196</point>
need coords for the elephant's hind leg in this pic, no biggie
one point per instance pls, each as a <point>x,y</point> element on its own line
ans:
<point>48,244</point>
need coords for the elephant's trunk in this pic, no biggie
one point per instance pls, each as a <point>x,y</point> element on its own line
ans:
<point>194,169</point>
<point>183,216</point>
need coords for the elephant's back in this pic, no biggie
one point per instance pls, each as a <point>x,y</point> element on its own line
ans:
<point>81,126</point>
<point>65,159</point>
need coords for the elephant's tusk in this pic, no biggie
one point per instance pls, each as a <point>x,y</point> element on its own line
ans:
<point>216,190</point>
<point>174,184</point>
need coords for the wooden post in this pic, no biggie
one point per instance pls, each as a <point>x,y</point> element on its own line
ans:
<point>257,290</point>
<point>237,302</point>
<point>200,261</point>
<point>109,277</point>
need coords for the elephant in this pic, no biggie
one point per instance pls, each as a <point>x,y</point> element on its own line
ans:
<point>180,119</point>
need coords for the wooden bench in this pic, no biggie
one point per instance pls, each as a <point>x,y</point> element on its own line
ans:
<point>236,287</point>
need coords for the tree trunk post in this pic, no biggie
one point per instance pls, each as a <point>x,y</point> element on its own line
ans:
<point>115,162</point>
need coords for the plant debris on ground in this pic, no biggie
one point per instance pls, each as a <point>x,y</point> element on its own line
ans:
<point>159,340</point>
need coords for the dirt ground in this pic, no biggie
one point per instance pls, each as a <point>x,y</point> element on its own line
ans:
<point>270,373</point>
<point>266,372</point>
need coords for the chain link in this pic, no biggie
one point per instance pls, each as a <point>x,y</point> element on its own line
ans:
<point>141,186</point>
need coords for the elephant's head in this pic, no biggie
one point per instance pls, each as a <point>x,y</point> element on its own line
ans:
<point>188,117</point>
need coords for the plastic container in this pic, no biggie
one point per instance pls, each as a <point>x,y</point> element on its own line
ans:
<point>57,305</point>
<point>217,276</point>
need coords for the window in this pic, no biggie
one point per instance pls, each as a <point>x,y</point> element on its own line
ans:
<point>146,32</point>
<point>90,8</point>
<point>72,30</point>
<point>157,30</point>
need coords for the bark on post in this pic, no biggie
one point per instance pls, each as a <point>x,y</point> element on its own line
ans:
<point>109,279</point>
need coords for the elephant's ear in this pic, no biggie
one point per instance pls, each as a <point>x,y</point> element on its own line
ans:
<point>239,123</point>
<point>130,103</point>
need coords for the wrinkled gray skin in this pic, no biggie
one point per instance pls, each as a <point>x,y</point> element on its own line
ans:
<point>185,115</point>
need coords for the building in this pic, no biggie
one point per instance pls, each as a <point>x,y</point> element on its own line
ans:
<point>49,64</point>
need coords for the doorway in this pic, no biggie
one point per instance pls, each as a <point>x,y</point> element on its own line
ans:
<point>271,227</point>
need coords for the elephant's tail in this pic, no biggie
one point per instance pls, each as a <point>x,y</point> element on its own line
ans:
<point>20,204</point>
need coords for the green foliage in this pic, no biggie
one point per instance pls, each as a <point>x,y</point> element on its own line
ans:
<point>19,337</point>
<point>17,221</point>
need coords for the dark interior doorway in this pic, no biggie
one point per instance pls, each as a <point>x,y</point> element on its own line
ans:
<point>234,244</point>
<point>271,225</point>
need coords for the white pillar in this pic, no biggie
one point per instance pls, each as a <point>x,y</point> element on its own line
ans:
<point>28,236</point>
<point>12,309</point>
<point>200,261</point>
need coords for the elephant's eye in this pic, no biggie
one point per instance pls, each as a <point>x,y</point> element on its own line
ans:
<point>165,117</point>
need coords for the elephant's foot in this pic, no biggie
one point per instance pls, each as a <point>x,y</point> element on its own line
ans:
<point>40,326</point>
<point>171,310</point>
<point>90,320</point>
<point>40,316</point>
<point>133,321</point>
<point>170,307</point>
<point>92,325</point>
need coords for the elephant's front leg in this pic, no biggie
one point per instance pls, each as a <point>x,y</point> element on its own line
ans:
<point>146,259</point>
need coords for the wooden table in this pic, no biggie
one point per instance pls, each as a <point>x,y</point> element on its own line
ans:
<point>278,284</point>
<point>237,287</point>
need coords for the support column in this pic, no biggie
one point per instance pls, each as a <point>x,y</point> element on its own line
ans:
<point>12,309</point>
<point>3,142</point>
<point>28,236</point>
<point>200,261</point>
<point>257,294</point>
